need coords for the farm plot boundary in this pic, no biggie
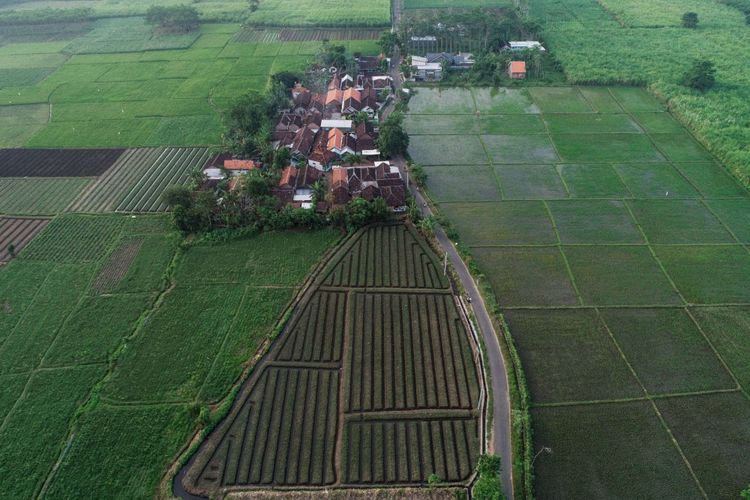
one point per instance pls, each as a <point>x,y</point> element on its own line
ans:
<point>257,446</point>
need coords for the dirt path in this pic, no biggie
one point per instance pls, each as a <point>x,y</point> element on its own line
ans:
<point>500,443</point>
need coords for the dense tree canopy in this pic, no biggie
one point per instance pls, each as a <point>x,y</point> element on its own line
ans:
<point>393,139</point>
<point>701,76</point>
<point>173,18</point>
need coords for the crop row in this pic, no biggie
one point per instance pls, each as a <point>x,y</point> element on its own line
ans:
<point>387,256</point>
<point>409,451</point>
<point>117,265</point>
<point>17,232</point>
<point>56,162</point>
<point>75,238</point>
<point>173,166</point>
<point>35,196</point>
<point>107,192</point>
<point>283,434</point>
<point>409,352</point>
<point>318,331</point>
<point>314,35</point>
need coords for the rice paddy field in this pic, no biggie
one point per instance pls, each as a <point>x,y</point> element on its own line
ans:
<point>373,381</point>
<point>106,345</point>
<point>617,248</point>
<point>116,84</point>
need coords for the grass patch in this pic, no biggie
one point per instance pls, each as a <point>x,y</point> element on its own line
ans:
<point>716,452</point>
<point>712,180</point>
<point>259,260</point>
<point>440,125</point>
<point>594,221</point>
<point>39,196</point>
<point>591,123</point>
<point>447,150</point>
<point>550,344</point>
<point>448,101</point>
<point>600,99</point>
<point>75,238</point>
<point>709,274</point>
<point>525,182</point>
<point>511,125</point>
<point>637,278</point>
<point>592,442</point>
<point>658,180</point>
<point>681,147</point>
<point>510,149</point>
<point>666,350</point>
<point>658,123</point>
<point>527,276</point>
<point>636,100</point>
<point>592,181</point>
<point>96,329</point>
<point>560,100</point>
<point>477,184</point>
<point>145,439</point>
<point>503,223</point>
<point>503,100</point>
<point>735,214</point>
<point>34,433</point>
<point>726,328</point>
<point>678,221</point>
<point>605,148</point>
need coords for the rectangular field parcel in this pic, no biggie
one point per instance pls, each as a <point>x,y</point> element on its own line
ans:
<point>617,248</point>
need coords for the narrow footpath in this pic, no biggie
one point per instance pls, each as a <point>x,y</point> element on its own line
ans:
<point>500,443</point>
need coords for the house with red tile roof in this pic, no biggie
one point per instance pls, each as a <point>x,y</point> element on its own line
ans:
<point>517,70</point>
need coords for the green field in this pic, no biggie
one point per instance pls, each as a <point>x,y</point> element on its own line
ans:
<point>615,33</point>
<point>375,365</point>
<point>617,249</point>
<point>88,304</point>
<point>121,85</point>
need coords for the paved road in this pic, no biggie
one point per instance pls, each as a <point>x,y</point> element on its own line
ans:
<point>500,443</point>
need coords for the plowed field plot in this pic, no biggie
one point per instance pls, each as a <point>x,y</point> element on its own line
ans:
<point>16,233</point>
<point>373,381</point>
<point>104,194</point>
<point>56,162</point>
<point>172,166</point>
<point>617,249</point>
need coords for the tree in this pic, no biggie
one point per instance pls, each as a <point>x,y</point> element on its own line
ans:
<point>249,123</point>
<point>177,196</point>
<point>333,55</point>
<point>701,76</point>
<point>417,174</point>
<point>427,226</point>
<point>488,486</point>
<point>253,5</point>
<point>690,20</point>
<point>12,250</point>
<point>360,117</point>
<point>281,159</point>
<point>319,191</point>
<point>393,139</point>
<point>745,494</point>
<point>388,41</point>
<point>173,18</point>
<point>434,480</point>
<point>286,78</point>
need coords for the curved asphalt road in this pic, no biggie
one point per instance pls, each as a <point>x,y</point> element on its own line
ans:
<point>500,442</point>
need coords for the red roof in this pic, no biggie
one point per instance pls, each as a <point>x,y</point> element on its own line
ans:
<point>518,66</point>
<point>239,164</point>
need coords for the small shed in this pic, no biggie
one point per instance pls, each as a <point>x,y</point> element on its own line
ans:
<point>517,70</point>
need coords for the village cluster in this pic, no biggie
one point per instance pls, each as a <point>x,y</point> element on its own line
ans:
<point>333,143</point>
<point>433,65</point>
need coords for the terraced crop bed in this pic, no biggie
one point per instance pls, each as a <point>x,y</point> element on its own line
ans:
<point>373,381</point>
